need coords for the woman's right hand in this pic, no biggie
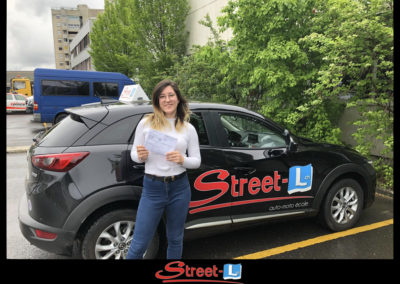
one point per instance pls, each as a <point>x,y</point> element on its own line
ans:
<point>142,153</point>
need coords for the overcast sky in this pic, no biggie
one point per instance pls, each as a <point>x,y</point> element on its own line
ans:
<point>29,32</point>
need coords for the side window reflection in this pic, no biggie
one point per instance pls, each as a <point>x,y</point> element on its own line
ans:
<point>247,132</point>
<point>197,121</point>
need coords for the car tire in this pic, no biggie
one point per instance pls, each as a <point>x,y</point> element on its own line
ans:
<point>109,237</point>
<point>343,204</point>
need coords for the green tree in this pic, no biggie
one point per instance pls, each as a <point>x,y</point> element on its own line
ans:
<point>203,75</point>
<point>140,38</point>
<point>162,39</point>
<point>355,40</point>
<point>294,61</point>
<point>274,70</point>
<point>113,39</point>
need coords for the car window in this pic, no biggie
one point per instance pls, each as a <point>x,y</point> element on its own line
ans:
<point>197,121</point>
<point>9,97</point>
<point>19,85</point>
<point>19,97</point>
<point>117,133</point>
<point>248,132</point>
<point>105,89</point>
<point>64,133</point>
<point>65,88</point>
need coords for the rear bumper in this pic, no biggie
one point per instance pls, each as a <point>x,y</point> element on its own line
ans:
<point>62,244</point>
<point>37,117</point>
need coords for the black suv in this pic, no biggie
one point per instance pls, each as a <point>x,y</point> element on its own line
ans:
<point>82,188</point>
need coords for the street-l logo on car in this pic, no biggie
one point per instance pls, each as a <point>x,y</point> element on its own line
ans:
<point>300,180</point>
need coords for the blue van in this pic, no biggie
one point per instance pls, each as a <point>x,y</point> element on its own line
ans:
<point>55,90</point>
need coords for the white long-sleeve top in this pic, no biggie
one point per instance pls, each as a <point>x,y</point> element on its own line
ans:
<point>157,164</point>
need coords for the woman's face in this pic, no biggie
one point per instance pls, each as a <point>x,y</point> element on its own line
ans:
<point>168,101</point>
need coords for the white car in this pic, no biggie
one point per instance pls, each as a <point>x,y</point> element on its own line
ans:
<point>16,102</point>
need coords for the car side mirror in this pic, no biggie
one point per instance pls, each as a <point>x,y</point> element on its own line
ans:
<point>290,144</point>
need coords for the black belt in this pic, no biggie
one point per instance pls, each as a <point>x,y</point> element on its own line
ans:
<point>166,179</point>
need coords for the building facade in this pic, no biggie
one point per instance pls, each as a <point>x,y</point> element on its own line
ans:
<point>66,24</point>
<point>79,47</point>
<point>199,34</point>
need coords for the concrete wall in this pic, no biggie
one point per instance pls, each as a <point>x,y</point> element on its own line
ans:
<point>199,34</point>
<point>346,124</point>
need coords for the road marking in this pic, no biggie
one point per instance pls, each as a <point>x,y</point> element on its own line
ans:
<point>313,241</point>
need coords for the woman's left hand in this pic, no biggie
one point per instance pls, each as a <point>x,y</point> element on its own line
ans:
<point>175,156</point>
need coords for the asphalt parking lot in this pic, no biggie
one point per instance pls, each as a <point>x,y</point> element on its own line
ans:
<point>21,130</point>
<point>296,239</point>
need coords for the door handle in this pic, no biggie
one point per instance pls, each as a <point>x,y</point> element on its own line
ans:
<point>274,153</point>
<point>138,167</point>
<point>245,170</point>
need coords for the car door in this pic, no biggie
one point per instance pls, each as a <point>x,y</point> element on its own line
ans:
<point>209,206</point>
<point>210,201</point>
<point>258,163</point>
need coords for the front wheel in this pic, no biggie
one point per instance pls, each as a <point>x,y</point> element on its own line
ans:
<point>343,205</point>
<point>110,237</point>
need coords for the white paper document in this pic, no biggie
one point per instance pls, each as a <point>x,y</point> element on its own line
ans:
<point>160,143</point>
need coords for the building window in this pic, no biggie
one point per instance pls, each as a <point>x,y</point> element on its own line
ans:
<point>86,41</point>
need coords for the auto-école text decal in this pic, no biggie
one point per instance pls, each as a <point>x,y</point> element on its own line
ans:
<point>300,180</point>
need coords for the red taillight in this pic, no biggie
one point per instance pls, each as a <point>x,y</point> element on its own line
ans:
<point>35,106</point>
<point>58,162</point>
<point>45,235</point>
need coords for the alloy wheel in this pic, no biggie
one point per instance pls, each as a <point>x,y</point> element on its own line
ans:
<point>344,205</point>
<point>115,240</point>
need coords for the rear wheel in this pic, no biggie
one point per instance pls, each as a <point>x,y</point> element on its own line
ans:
<point>342,205</point>
<point>110,237</point>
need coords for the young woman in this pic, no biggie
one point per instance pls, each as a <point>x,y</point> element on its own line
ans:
<point>165,184</point>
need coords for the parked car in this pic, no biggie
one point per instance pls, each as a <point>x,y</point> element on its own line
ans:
<point>15,102</point>
<point>29,104</point>
<point>83,189</point>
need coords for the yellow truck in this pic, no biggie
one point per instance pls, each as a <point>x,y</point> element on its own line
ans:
<point>21,86</point>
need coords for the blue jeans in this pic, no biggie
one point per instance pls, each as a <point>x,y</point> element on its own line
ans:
<point>157,196</point>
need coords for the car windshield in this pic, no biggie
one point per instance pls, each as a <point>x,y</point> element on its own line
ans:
<point>19,85</point>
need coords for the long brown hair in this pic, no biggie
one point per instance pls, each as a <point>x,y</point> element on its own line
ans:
<point>157,119</point>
